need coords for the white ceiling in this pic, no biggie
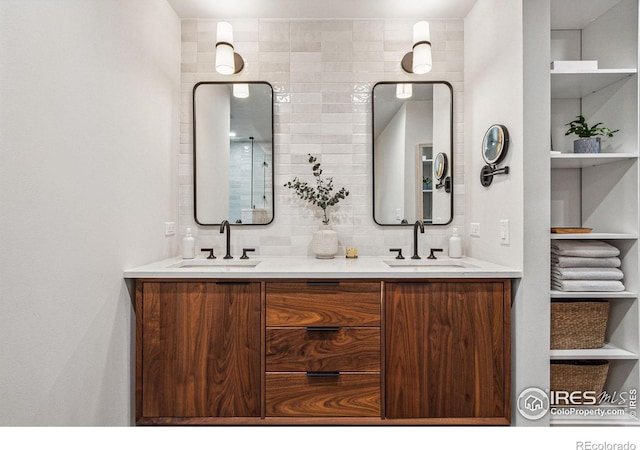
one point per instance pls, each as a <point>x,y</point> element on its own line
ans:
<point>322,9</point>
<point>565,14</point>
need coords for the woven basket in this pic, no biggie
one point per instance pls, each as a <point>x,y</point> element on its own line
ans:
<point>570,376</point>
<point>578,324</point>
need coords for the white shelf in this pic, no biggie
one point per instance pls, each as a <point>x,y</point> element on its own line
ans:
<point>585,236</point>
<point>578,84</point>
<point>609,351</point>
<point>581,160</point>
<point>596,419</point>
<point>567,295</point>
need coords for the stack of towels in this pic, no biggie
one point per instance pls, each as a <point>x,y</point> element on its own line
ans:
<point>578,265</point>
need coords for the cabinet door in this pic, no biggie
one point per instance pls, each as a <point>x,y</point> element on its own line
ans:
<point>447,351</point>
<point>201,350</point>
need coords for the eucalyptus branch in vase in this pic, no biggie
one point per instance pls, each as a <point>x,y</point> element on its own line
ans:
<point>321,194</point>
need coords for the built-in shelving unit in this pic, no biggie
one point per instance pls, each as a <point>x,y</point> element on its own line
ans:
<point>600,190</point>
<point>609,351</point>
<point>580,161</point>
<point>608,295</point>
<point>598,236</point>
<point>576,84</point>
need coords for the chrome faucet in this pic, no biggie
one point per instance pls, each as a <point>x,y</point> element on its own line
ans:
<point>223,225</point>
<point>416,225</point>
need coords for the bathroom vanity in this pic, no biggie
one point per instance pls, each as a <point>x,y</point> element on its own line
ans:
<point>303,341</point>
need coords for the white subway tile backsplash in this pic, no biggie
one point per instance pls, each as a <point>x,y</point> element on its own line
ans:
<point>322,73</point>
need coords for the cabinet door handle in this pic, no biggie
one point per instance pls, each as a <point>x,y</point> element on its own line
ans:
<point>324,374</point>
<point>323,283</point>
<point>323,328</point>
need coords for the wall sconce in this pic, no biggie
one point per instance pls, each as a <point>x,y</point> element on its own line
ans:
<point>404,90</point>
<point>419,61</point>
<point>240,90</point>
<point>227,61</point>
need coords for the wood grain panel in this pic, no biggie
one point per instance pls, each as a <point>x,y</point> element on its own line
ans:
<point>201,350</point>
<point>346,395</point>
<point>446,351</point>
<point>346,349</point>
<point>303,304</point>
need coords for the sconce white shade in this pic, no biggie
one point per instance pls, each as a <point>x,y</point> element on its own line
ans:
<point>404,90</point>
<point>240,90</point>
<point>422,62</point>
<point>421,32</point>
<point>224,33</point>
<point>225,60</point>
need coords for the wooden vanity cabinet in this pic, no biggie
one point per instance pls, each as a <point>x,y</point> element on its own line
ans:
<point>198,350</point>
<point>383,352</point>
<point>447,351</point>
<point>322,349</point>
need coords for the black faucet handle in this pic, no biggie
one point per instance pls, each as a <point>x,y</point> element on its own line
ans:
<point>210,250</point>
<point>244,252</point>
<point>399,250</point>
<point>431,255</point>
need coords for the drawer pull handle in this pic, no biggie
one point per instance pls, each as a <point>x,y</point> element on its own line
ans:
<point>323,283</point>
<point>323,374</point>
<point>323,328</point>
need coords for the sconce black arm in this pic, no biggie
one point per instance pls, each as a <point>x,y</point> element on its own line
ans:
<point>487,173</point>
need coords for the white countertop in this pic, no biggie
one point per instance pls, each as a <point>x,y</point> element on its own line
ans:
<point>311,268</point>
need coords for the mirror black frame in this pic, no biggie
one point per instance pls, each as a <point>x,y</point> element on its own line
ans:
<point>441,157</point>
<point>502,150</point>
<point>193,119</point>
<point>449,183</point>
<point>491,168</point>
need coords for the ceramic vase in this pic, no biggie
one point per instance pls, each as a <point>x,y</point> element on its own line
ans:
<point>587,145</point>
<point>324,243</point>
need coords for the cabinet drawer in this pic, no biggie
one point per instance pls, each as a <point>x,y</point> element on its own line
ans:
<point>343,349</point>
<point>329,304</point>
<point>344,395</point>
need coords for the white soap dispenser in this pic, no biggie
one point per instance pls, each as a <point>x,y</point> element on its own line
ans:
<point>455,245</point>
<point>188,246</point>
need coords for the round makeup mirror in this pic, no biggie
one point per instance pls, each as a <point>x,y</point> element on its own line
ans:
<point>440,166</point>
<point>495,144</point>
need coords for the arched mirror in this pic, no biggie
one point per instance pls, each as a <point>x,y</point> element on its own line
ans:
<point>412,152</point>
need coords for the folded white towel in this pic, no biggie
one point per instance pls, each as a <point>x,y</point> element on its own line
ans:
<point>583,248</point>
<point>574,261</point>
<point>586,273</point>
<point>587,285</point>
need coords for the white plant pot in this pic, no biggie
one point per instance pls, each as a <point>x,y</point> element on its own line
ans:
<point>324,243</point>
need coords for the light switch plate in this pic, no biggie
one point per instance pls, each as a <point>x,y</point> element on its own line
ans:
<point>474,229</point>
<point>169,228</point>
<point>504,232</point>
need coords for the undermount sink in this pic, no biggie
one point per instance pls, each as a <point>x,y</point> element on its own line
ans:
<point>429,263</point>
<point>213,263</point>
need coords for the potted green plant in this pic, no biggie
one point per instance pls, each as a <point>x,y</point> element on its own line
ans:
<point>589,136</point>
<point>426,183</point>
<point>325,241</point>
